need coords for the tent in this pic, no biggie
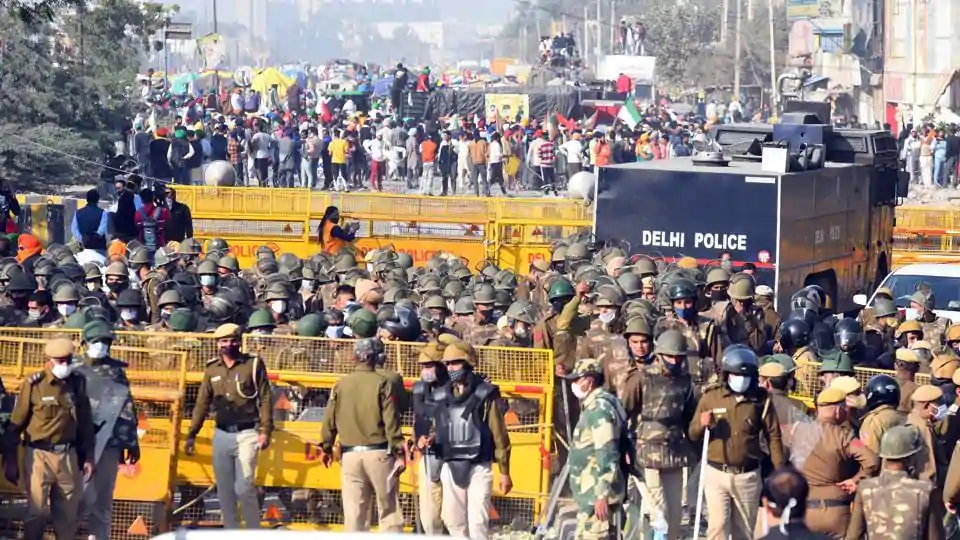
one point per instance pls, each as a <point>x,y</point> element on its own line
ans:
<point>263,80</point>
<point>381,87</point>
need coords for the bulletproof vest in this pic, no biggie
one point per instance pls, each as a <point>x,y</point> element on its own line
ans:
<point>424,414</point>
<point>661,426</point>
<point>699,363</point>
<point>461,432</point>
<point>933,331</point>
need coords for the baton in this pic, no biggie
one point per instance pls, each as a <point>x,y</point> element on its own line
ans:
<point>566,411</point>
<point>703,480</point>
<point>428,504</point>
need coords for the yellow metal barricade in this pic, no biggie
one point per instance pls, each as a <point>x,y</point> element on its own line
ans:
<point>809,384</point>
<point>302,493</point>
<point>157,378</point>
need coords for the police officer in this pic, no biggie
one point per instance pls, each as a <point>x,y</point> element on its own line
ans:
<point>934,327</point>
<point>738,413</point>
<point>596,479</point>
<point>928,408</point>
<point>471,436</point>
<point>771,319</point>
<point>795,341</point>
<point>883,398</point>
<point>715,289</point>
<point>827,468</point>
<point>209,280</point>
<point>277,298</point>
<point>905,370</point>
<point>603,341</point>
<point>237,386</point>
<point>741,292</point>
<point>662,396</point>
<point>53,414</point>
<point>115,415</point>
<point>896,504</point>
<point>704,345</point>
<point>130,309</point>
<point>639,340</point>
<point>362,411</point>
<point>66,297</point>
<point>483,331</point>
<point>522,316</point>
<point>848,336</point>
<point>433,375</point>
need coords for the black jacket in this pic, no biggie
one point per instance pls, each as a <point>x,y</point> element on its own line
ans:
<point>180,225</point>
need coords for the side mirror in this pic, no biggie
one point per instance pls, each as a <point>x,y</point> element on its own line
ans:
<point>860,299</point>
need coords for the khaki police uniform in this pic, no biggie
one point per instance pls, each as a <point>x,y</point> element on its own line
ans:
<point>55,419</point>
<point>363,413</point>
<point>240,394</point>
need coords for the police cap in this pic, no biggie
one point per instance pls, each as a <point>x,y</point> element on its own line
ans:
<point>831,396</point>
<point>59,348</point>
<point>98,330</point>
<point>225,331</point>
<point>926,393</point>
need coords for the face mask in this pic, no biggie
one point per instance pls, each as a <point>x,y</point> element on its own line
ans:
<point>520,330</point>
<point>116,288</point>
<point>165,315</point>
<point>34,314</point>
<point>169,203</point>
<point>557,306</point>
<point>684,313</point>
<point>307,285</point>
<point>487,316</point>
<point>260,332</point>
<point>333,332</point>
<point>98,350</point>
<point>738,383</point>
<point>93,286</point>
<point>66,309</point>
<point>674,369</point>
<point>230,351</point>
<point>607,317</point>
<point>208,281</point>
<point>428,375</point>
<point>61,371</point>
<point>278,306</point>
<point>458,375</point>
<point>578,391</point>
<point>128,314</point>
<point>941,411</point>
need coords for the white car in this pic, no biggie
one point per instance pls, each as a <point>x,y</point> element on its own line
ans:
<point>942,279</point>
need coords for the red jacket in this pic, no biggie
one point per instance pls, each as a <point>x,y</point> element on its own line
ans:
<point>148,210</point>
<point>624,84</point>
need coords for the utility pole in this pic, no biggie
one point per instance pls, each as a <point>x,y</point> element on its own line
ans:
<point>724,22</point>
<point>216,68</point>
<point>613,26</point>
<point>773,63</point>
<point>599,34</point>
<point>736,54</point>
<point>586,36</point>
<point>750,10</point>
<point>915,30</point>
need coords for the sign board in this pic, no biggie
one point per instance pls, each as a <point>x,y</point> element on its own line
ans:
<point>178,31</point>
<point>809,9</point>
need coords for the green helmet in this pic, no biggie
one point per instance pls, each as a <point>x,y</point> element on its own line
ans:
<point>92,271</point>
<point>630,283</point>
<point>189,247</point>
<point>76,321</point>
<point>681,288</point>
<point>452,289</point>
<point>900,442</point>
<point>638,326</point>
<point>717,275</point>
<point>741,289</point>
<point>639,307</point>
<point>264,252</point>
<point>577,251</point>
<point>464,306</point>
<point>66,293</point>
<point>97,331</point>
<point>883,307</point>
<point>609,296</point>
<point>140,256</point>
<point>485,294</point>
<point>523,311</point>
<point>289,260</point>
<point>229,262</point>
<point>261,318</point>
<point>162,257</point>
<point>311,325</point>
<point>344,264</point>
<point>560,288</point>
<point>559,254</point>
<point>645,266</point>
<point>363,323</point>
<point>170,297</point>
<point>217,245</point>
<point>404,260</point>
<point>183,320</point>
<point>207,267</point>
<point>276,291</point>
<point>671,343</point>
<point>435,302</point>
<point>502,299</point>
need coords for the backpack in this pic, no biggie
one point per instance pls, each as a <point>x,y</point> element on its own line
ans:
<point>626,442</point>
<point>150,226</point>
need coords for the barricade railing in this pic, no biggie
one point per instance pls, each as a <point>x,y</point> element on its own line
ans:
<point>809,383</point>
<point>302,372</point>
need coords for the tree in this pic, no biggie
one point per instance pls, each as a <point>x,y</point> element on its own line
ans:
<point>58,97</point>
<point>37,10</point>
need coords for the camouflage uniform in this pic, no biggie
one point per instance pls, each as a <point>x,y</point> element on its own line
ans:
<point>704,347</point>
<point>893,506</point>
<point>481,334</point>
<point>613,353</point>
<point>934,328</point>
<point>150,289</point>
<point>595,459</point>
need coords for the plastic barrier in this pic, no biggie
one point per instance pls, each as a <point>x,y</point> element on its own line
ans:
<point>298,490</point>
<point>926,235</point>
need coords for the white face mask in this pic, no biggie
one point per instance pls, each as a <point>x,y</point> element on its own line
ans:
<point>61,371</point>
<point>66,309</point>
<point>578,391</point>
<point>307,285</point>
<point>128,314</point>
<point>98,350</point>
<point>738,383</point>
<point>941,411</point>
<point>93,286</point>
<point>34,314</point>
<point>278,306</point>
<point>208,280</point>
<point>607,317</point>
<point>520,330</point>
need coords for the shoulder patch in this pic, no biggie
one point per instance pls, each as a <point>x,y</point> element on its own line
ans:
<point>212,360</point>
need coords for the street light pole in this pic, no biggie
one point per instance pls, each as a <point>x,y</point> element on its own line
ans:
<point>216,67</point>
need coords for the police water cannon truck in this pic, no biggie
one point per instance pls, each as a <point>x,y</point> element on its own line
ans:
<point>803,202</point>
